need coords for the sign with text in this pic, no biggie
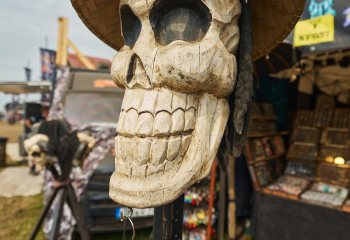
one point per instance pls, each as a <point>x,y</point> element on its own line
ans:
<point>340,9</point>
<point>314,31</point>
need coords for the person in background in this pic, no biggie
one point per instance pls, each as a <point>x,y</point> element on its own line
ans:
<point>33,122</point>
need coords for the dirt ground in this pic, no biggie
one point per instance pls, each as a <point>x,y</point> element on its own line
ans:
<point>10,131</point>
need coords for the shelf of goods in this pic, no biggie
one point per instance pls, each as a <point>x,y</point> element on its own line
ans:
<point>318,168</point>
<point>265,149</point>
<point>195,221</point>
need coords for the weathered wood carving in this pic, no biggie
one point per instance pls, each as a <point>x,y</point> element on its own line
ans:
<point>177,67</point>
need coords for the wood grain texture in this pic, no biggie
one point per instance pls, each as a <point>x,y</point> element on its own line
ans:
<point>177,75</point>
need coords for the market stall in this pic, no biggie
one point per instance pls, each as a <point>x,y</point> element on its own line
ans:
<point>309,197</point>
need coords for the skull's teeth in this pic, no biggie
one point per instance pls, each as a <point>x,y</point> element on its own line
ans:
<point>146,156</point>
<point>190,117</point>
<point>148,113</point>
<point>178,121</point>
<point>162,123</point>
<point>158,151</point>
<point>174,146</point>
<point>154,129</point>
<point>144,125</point>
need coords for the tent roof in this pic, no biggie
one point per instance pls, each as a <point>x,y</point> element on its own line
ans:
<point>25,87</point>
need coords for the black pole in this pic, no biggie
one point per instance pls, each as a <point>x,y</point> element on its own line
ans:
<point>77,213</point>
<point>168,221</point>
<point>58,216</point>
<point>43,215</point>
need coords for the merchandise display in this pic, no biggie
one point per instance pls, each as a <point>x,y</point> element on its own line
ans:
<point>197,234</point>
<point>341,118</point>
<point>306,135</point>
<point>301,169</point>
<point>318,167</point>
<point>196,196</point>
<point>323,117</point>
<point>304,118</point>
<point>263,174</point>
<point>322,193</point>
<point>303,151</point>
<point>265,148</point>
<point>333,154</point>
<point>195,219</point>
<point>335,136</point>
<point>290,185</point>
<point>262,120</point>
<point>333,173</point>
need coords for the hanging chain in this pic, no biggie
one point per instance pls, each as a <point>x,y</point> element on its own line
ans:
<point>124,219</point>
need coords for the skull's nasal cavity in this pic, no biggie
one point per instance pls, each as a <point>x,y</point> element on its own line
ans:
<point>186,20</point>
<point>137,75</point>
<point>132,67</point>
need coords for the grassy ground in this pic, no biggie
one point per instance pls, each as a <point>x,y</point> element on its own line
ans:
<point>18,216</point>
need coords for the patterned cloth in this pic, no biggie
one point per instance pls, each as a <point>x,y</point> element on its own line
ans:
<point>104,136</point>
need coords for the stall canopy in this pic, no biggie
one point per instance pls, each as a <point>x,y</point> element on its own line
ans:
<point>323,16</point>
<point>281,58</point>
<point>25,87</point>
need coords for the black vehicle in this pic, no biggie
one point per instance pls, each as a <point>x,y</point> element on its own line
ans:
<point>93,98</point>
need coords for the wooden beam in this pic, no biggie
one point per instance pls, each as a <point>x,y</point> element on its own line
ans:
<point>87,63</point>
<point>62,42</point>
<point>232,198</point>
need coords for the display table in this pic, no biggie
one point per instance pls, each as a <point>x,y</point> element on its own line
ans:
<point>276,218</point>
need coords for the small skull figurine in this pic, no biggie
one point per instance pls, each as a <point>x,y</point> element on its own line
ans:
<point>177,67</point>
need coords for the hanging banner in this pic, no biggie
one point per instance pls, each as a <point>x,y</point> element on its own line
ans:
<point>314,31</point>
<point>48,72</point>
<point>340,10</point>
<point>48,64</point>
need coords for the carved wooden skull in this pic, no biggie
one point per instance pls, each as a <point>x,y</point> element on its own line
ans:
<point>177,67</point>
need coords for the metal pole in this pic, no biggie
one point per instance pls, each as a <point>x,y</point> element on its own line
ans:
<point>43,215</point>
<point>58,216</point>
<point>77,212</point>
<point>168,221</point>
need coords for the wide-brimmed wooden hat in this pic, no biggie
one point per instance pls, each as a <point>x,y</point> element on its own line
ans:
<point>272,21</point>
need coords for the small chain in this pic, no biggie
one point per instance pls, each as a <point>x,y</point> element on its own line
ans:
<point>125,218</point>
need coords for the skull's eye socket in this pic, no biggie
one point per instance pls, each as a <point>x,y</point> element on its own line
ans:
<point>131,25</point>
<point>187,20</point>
<point>36,154</point>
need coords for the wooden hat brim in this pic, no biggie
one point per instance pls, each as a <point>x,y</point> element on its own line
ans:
<point>272,21</point>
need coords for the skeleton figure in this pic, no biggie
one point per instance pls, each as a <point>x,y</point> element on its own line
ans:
<point>177,67</point>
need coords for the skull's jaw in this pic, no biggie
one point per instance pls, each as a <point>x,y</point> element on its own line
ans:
<point>142,182</point>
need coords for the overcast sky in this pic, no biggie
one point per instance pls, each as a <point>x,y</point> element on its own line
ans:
<point>24,24</point>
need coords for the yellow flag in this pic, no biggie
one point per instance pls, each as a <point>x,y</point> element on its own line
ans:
<point>314,31</point>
